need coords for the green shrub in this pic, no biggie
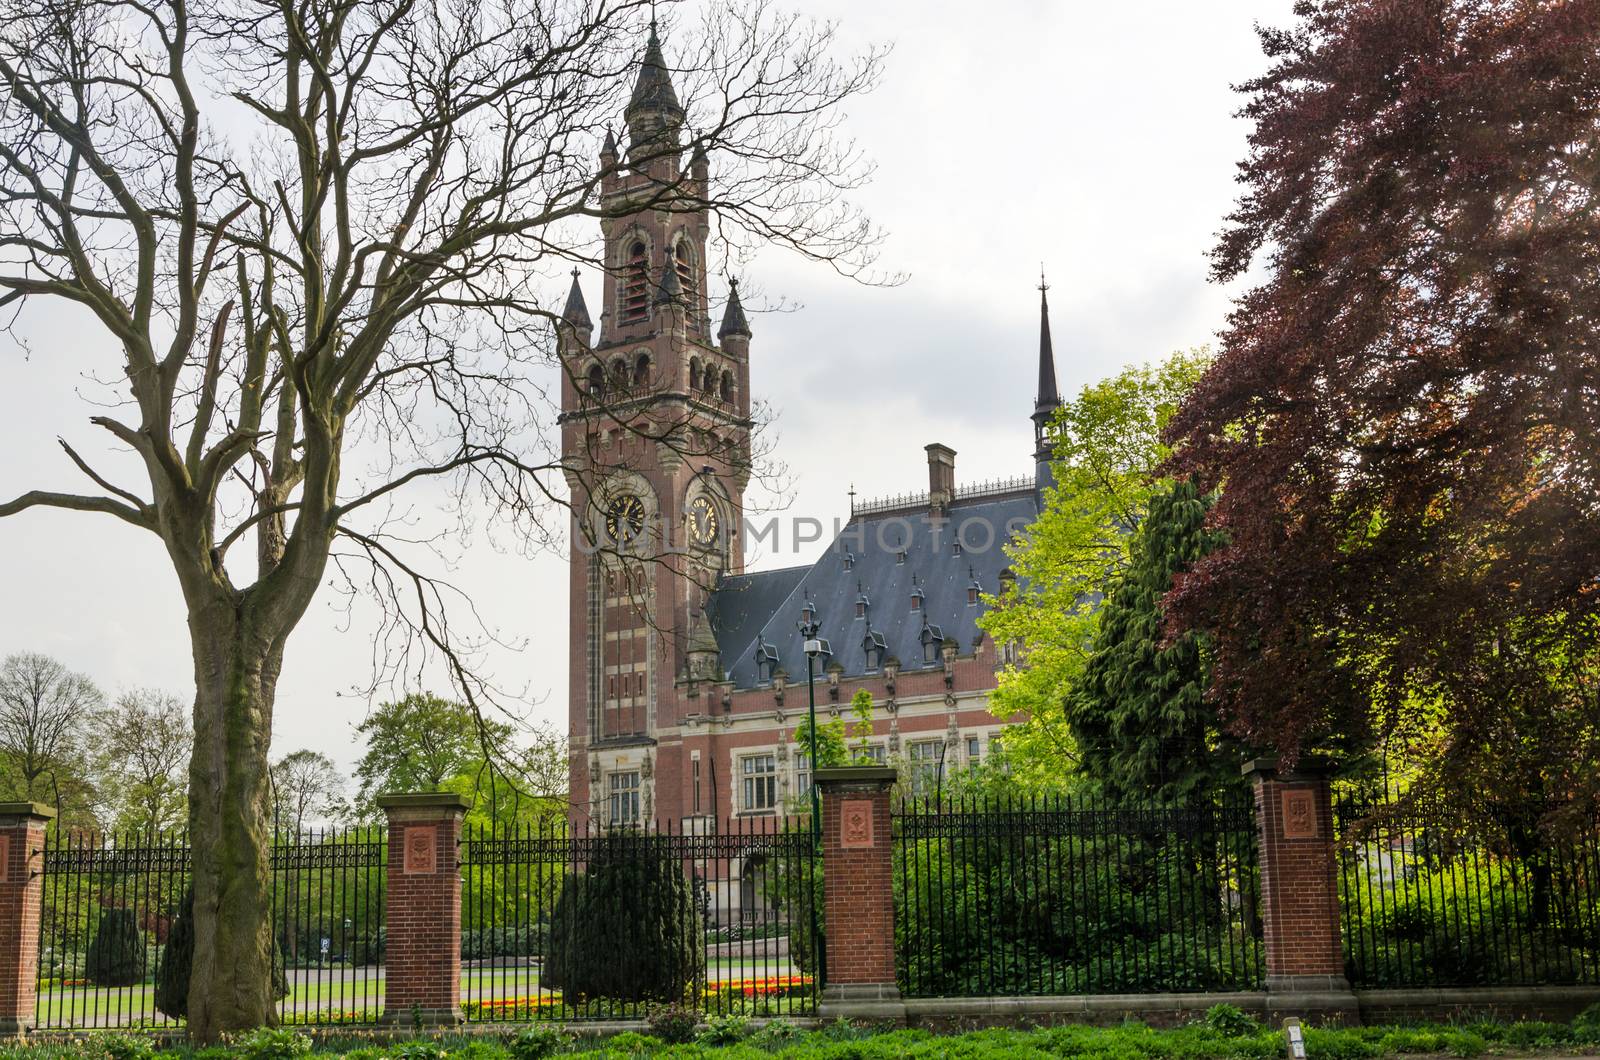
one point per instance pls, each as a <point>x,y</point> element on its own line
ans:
<point>1230,1022</point>
<point>632,1043</point>
<point>418,1049</point>
<point>536,1043</point>
<point>172,971</point>
<point>126,1047</point>
<point>628,928</point>
<point>1338,1045</point>
<point>1586,1027</point>
<point>116,956</point>
<point>673,1024</point>
<point>272,1043</point>
<point>776,1033</point>
<point>724,1030</point>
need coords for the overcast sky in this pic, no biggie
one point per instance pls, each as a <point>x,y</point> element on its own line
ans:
<point>1096,139</point>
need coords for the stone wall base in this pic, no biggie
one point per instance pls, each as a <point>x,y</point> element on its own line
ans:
<point>864,1002</point>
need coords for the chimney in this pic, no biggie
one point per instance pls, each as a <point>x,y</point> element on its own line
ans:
<point>941,477</point>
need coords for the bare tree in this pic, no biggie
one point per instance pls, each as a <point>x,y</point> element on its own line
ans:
<point>321,238</point>
<point>141,744</point>
<point>44,711</point>
<point>306,786</point>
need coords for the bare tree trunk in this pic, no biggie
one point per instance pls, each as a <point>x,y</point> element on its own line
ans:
<point>236,676</point>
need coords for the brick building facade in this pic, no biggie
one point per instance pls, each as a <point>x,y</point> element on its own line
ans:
<point>688,679</point>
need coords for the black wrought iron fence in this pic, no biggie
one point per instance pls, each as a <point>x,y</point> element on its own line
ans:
<point>563,922</point>
<point>1032,896</point>
<point>112,951</point>
<point>1435,897</point>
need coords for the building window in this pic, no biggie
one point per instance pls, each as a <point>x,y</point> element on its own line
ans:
<point>875,751</point>
<point>635,285</point>
<point>925,757</point>
<point>916,601</point>
<point>861,609</point>
<point>972,594</point>
<point>849,560</point>
<point>641,370</point>
<point>695,768</point>
<point>684,261</point>
<point>623,792</point>
<point>974,752</point>
<point>726,393</point>
<point>759,774</point>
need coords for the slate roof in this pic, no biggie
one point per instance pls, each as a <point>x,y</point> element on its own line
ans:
<point>760,611</point>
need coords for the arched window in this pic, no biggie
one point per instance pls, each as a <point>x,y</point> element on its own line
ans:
<point>683,259</point>
<point>641,370</point>
<point>635,285</point>
<point>619,373</point>
<point>694,373</point>
<point>727,385</point>
<point>597,381</point>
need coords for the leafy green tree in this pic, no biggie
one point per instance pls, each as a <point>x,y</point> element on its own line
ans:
<point>422,742</point>
<point>139,750</point>
<point>1139,717</point>
<point>1107,449</point>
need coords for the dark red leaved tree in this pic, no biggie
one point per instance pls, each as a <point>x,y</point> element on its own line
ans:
<point>1405,414</point>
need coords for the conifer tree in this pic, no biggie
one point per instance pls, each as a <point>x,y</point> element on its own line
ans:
<point>1138,715</point>
<point>116,956</point>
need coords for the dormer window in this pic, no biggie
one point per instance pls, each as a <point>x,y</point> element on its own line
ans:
<point>849,560</point>
<point>873,646</point>
<point>861,606</point>
<point>635,285</point>
<point>972,593</point>
<point>916,599</point>
<point>932,641</point>
<point>955,548</point>
<point>766,662</point>
<point>808,613</point>
<point>900,558</point>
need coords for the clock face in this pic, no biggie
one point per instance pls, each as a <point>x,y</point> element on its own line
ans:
<point>703,523</point>
<point>624,518</point>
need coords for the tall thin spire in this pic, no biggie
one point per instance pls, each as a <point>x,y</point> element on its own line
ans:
<point>733,318</point>
<point>1048,398</point>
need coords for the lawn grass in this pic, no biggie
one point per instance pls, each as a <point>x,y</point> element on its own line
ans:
<point>1225,1034</point>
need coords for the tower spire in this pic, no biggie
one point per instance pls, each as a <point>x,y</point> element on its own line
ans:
<point>576,312</point>
<point>654,114</point>
<point>733,319</point>
<point>1048,398</point>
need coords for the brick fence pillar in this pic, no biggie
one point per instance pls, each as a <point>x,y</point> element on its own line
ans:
<point>858,894</point>
<point>1300,893</point>
<point>422,962</point>
<point>21,892</point>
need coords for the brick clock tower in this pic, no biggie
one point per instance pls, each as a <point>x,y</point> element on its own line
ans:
<point>656,443</point>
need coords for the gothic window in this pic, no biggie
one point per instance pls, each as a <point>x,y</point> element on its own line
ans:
<point>619,374</point>
<point>641,370</point>
<point>694,373</point>
<point>635,285</point>
<point>597,381</point>
<point>727,385</point>
<point>683,259</point>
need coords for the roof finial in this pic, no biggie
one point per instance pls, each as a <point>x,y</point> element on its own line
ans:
<point>1043,287</point>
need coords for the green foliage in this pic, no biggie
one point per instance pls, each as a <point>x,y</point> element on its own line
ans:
<point>536,1043</point>
<point>126,1047</point>
<point>1107,448</point>
<point>1132,914</point>
<point>775,1034</point>
<point>505,940</point>
<point>632,1043</point>
<point>273,1043</point>
<point>420,742</point>
<point>116,955</point>
<point>628,928</point>
<point>1228,1020</point>
<point>418,1049</point>
<point>724,1030</point>
<point>1138,714</point>
<point>673,1024</point>
<point>172,973</point>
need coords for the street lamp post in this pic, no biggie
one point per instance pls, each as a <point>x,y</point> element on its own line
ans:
<point>814,646</point>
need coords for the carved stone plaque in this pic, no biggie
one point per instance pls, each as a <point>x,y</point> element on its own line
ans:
<point>856,821</point>
<point>420,849</point>
<point>1299,814</point>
